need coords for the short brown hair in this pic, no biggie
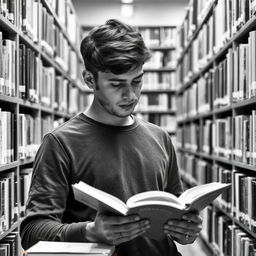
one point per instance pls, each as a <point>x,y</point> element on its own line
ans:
<point>114,47</point>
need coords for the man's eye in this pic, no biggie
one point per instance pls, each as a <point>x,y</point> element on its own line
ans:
<point>137,82</point>
<point>116,85</point>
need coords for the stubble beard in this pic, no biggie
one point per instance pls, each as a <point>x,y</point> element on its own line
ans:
<point>111,110</point>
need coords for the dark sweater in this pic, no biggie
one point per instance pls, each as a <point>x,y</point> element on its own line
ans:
<point>121,160</point>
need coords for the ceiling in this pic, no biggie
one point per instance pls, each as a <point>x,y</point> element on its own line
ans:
<point>135,1</point>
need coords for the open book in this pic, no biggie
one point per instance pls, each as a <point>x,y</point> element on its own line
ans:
<point>157,206</point>
<point>52,248</point>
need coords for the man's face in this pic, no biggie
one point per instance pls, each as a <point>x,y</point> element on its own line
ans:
<point>117,95</point>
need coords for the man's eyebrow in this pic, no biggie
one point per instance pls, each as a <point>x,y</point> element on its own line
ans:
<point>139,76</point>
<point>123,80</point>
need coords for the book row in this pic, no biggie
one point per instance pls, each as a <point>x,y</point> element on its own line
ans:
<point>31,130</point>
<point>7,66</point>
<point>35,76</point>
<point>9,245</point>
<point>7,9</point>
<point>39,19</point>
<point>244,190</point>
<point>25,181</point>
<point>161,59</point>
<point>233,79</point>
<point>225,237</point>
<point>229,16</point>
<point>159,36</point>
<point>156,102</point>
<point>159,81</point>
<point>237,201</point>
<point>7,137</point>
<point>229,137</point>
<point>29,140</point>
<point>165,121</point>
<point>9,202</point>
<point>197,99</point>
<point>154,37</point>
<point>10,208</point>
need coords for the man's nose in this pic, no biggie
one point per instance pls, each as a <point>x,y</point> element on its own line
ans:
<point>128,93</point>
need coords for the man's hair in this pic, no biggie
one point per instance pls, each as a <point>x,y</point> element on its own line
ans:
<point>114,47</point>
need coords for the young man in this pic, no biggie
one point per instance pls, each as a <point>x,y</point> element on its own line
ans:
<point>109,148</point>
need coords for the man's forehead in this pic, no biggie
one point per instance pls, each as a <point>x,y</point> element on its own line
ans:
<point>121,77</point>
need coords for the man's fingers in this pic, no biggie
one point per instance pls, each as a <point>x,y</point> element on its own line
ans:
<point>122,238</point>
<point>112,220</point>
<point>183,226</point>
<point>192,217</point>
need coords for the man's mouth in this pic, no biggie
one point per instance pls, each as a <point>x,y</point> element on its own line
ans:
<point>127,106</point>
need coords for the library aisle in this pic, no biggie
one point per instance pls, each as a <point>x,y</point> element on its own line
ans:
<point>199,85</point>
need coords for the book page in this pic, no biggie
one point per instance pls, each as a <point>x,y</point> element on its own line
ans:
<point>199,191</point>
<point>153,197</point>
<point>98,199</point>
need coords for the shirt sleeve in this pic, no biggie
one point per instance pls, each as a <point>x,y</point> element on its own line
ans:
<point>47,198</point>
<point>174,184</point>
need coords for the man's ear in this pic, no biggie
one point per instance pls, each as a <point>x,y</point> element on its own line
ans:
<point>89,78</point>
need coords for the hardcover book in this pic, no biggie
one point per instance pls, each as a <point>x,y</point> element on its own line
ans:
<point>52,248</point>
<point>157,206</point>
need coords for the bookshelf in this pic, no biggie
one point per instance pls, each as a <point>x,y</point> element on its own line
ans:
<point>157,102</point>
<point>216,117</point>
<point>40,88</point>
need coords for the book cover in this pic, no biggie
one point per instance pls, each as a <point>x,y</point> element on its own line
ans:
<point>51,248</point>
<point>157,206</point>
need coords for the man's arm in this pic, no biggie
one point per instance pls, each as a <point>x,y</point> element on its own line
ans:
<point>50,188</point>
<point>47,197</point>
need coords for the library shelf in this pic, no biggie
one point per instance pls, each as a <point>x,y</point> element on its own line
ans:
<point>169,91</point>
<point>162,48</point>
<point>222,209</point>
<point>23,111</point>
<point>220,159</point>
<point>207,14</point>
<point>164,69</point>
<point>9,99</point>
<point>7,25</point>
<point>13,227</point>
<point>26,161</point>
<point>9,166</point>
<point>250,25</point>
<point>244,227</point>
<point>23,38</point>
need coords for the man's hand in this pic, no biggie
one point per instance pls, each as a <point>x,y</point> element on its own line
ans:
<point>186,230</point>
<point>115,229</point>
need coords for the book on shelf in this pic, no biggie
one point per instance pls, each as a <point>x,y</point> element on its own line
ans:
<point>244,190</point>
<point>7,200</point>
<point>158,206</point>
<point>10,244</point>
<point>52,248</point>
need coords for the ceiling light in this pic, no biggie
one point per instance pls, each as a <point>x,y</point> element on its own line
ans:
<point>127,10</point>
<point>127,1</point>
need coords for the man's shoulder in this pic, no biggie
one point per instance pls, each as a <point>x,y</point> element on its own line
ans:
<point>152,127</point>
<point>68,127</point>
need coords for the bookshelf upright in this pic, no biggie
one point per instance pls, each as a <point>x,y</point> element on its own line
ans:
<point>216,135</point>
<point>40,88</point>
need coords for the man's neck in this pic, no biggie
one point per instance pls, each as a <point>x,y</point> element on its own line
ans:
<point>117,121</point>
